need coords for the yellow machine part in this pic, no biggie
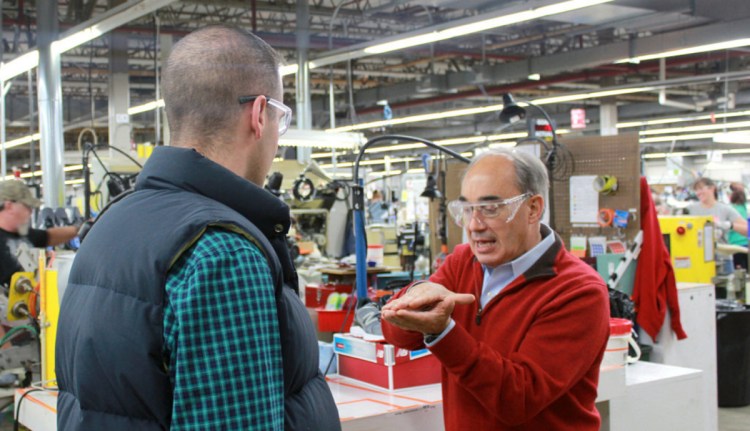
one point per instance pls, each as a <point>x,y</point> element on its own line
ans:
<point>691,244</point>
<point>48,317</point>
<point>21,286</point>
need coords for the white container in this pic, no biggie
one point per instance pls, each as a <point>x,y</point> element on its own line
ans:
<point>375,255</point>
<point>620,337</point>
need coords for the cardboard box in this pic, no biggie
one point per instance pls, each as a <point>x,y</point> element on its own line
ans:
<point>384,365</point>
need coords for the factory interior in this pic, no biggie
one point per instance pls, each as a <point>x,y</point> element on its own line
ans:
<point>636,109</point>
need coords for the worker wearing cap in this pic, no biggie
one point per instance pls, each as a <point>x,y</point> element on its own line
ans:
<point>15,214</point>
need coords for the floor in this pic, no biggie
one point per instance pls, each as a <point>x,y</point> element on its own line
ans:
<point>734,418</point>
<point>730,419</point>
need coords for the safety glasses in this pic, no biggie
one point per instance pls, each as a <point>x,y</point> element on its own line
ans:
<point>286,111</point>
<point>506,209</point>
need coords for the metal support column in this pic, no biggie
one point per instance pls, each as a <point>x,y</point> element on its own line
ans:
<point>304,106</point>
<point>50,106</point>
<point>608,119</point>
<point>119,93</point>
<point>165,48</point>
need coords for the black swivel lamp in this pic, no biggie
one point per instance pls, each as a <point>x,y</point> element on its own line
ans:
<point>431,190</point>
<point>558,160</point>
<point>360,241</point>
<point>511,111</point>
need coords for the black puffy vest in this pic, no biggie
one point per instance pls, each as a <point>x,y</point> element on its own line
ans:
<point>110,368</point>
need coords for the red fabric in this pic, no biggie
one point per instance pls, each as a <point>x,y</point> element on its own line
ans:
<point>532,363</point>
<point>655,288</point>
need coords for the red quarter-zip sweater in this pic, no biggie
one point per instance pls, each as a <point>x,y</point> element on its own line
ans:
<point>530,359</point>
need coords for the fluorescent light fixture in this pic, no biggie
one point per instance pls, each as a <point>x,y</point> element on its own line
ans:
<point>670,138</point>
<point>19,65</point>
<point>419,118</point>
<point>289,69</point>
<point>694,153</point>
<point>76,39</point>
<point>692,50</point>
<point>74,182</point>
<point>665,155</point>
<point>150,106</point>
<point>591,95</point>
<point>701,128</point>
<point>37,173</point>
<point>321,139</point>
<point>671,120</point>
<point>89,30</point>
<point>485,109</point>
<point>479,26</point>
<point>371,162</point>
<point>22,141</point>
<point>733,138</point>
<point>534,77</point>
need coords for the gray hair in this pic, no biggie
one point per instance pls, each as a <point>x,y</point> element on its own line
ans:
<point>531,174</point>
<point>205,74</point>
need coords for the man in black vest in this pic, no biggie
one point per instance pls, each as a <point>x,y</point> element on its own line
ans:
<point>182,310</point>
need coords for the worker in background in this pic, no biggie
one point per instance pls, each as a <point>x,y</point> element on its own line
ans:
<point>182,309</point>
<point>378,208</point>
<point>738,200</point>
<point>15,216</point>
<point>518,323</point>
<point>725,217</point>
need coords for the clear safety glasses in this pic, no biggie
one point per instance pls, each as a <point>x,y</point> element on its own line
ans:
<point>286,111</point>
<point>506,209</point>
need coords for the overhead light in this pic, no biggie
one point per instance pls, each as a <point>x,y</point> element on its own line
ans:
<point>733,138</point>
<point>665,155</point>
<point>150,106</point>
<point>289,69</point>
<point>534,77</point>
<point>373,162</point>
<point>503,145</point>
<point>694,153</point>
<point>69,168</point>
<point>19,65</point>
<point>670,138</point>
<point>458,29</point>
<point>671,120</point>
<point>22,141</point>
<point>83,33</point>
<point>692,50</point>
<point>453,29</point>
<point>418,118</point>
<point>700,128</point>
<point>321,139</point>
<point>74,182</point>
<point>591,95</point>
<point>449,142</point>
<point>76,39</point>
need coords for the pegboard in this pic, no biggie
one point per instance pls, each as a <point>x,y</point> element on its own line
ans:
<point>617,155</point>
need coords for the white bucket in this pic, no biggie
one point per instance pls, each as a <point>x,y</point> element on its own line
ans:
<point>620,338</point>
<point>375,254</point>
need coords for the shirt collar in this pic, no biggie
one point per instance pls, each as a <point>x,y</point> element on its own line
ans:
<point>522,263</point>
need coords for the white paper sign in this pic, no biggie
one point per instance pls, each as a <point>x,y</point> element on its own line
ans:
<point>584,200</point>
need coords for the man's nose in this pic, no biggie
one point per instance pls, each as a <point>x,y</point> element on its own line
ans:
<point>476,222</point>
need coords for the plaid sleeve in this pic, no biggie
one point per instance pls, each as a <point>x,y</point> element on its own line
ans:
<point>222,337</point>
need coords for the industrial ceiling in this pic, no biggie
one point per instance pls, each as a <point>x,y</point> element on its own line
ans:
<point>560,54</point>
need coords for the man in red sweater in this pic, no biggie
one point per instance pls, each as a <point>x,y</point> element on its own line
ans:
<point>526,354</point>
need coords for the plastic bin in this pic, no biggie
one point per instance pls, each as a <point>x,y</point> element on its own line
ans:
<point>733,353</point>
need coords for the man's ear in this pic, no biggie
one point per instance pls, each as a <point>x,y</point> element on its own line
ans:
<point>258,119</point>
<point>536,204</point>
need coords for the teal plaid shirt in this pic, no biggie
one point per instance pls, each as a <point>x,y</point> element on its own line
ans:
<point>221,337</point>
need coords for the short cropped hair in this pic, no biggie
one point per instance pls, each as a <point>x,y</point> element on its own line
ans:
<point>205,74</point>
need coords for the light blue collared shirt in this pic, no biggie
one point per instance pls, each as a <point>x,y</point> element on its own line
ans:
<point>496,279</point>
